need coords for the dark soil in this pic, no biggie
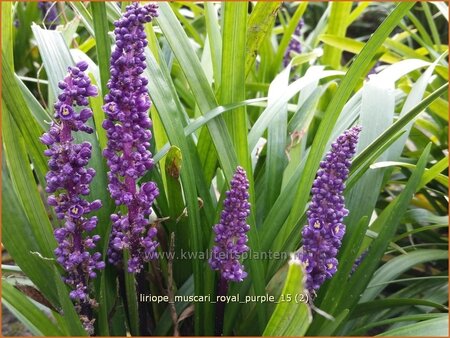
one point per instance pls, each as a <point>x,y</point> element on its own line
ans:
<point>11,326</point>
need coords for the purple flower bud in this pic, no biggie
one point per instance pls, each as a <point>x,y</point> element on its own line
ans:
<point>82,65</point>
<point>91,91</point>
<point>62,85</point>
<point>85,114</point>
<point>47,139</point>
<point>52,201</point>
<point>231,230</point>
<point>95,205</point>
<point>294,46</point>
<point>323,234</point>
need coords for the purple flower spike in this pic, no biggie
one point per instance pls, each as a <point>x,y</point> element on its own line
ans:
<point>231,238</point>
<point>359,260</point>
<point>67,181</point>
<point>49,13</point>
<point>294,45</point>
<point>323,234</point>
<point>127,127</point>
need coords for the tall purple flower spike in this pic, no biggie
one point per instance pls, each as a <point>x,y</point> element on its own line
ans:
<point>68,180</point>
<point>294,45</point>
<point>323,234</point>
<point>231,231</point>
<point>127,126</point>
<point>49,13</point>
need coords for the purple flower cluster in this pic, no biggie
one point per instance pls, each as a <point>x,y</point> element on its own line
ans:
<point>373,70</point>
<point>49,13</point>
<point>127,126</point>
<point>323,234</point>
<point>231,231</point>
<point>294,45</point>
<point>359,260</point>
<point>68,180</point>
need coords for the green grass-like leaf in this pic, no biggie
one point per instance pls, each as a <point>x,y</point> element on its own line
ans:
<point>102,41</point>
<point>25,186</point>
<point>291,316</point>
<point>259,24</point>
<point>432,327</point>
<point>28,313</point>
<point>337,24</point>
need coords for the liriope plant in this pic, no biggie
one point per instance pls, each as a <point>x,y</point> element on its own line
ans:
<point>233,168</point>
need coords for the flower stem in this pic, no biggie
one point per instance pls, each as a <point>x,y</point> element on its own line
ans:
<point>222,290</point>
<point>145,318</point>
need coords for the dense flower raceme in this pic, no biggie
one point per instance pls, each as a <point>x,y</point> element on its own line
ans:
<point>323,234</point>
<point>68,180</point>
<point>294,45</point>
<point>127,126</point>
<point>231,231</point>
<point>49,13</point>
<point>359,260</point>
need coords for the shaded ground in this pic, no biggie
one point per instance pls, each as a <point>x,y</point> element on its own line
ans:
<point>11,326</point>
